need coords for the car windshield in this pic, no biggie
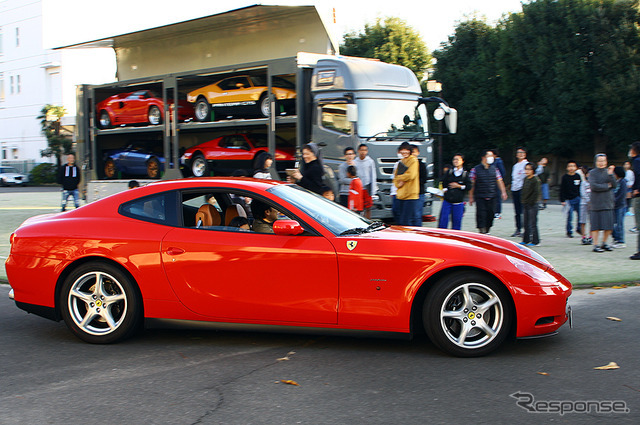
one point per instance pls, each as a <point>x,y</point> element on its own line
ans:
<point>391,118</point>
<point>334,217</point>
<point>8,170</point>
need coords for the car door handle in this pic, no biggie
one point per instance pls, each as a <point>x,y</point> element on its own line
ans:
<point>175,251</point>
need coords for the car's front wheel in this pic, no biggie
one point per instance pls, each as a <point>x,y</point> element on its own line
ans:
<point>263,105</point>
<point>104,120</point>
<point>467,314</point>
<point>153,168</point>
<point>202,110</point>
<point>154,116</point>
<point>100,303</point>
<point>199,166</point>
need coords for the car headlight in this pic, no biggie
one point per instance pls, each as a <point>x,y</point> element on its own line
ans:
<point>532,271</point>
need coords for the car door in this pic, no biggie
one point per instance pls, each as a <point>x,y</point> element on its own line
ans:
<point>253,277</point>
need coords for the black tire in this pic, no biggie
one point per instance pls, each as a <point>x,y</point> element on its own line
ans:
<point>154,116</point>
<point>153,168</point>
<point>109,169</point>
<point>467,314</point>
<point>199,166</point>
<point>202,110</point>
<point>104,120</point>
<point>100,304</point>
<point>263,106</point>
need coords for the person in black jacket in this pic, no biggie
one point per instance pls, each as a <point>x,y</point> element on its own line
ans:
<point>570,195</point>
<point>634,154</point>
<point>455,183</point>
<point>69,178</point>
<point>310,177</point>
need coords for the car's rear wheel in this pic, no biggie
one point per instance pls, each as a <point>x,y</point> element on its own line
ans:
<point>100,303</point>
<point>202,110</point>
<point>154,116</point>
<point>153,168</point>
<point>109,168</point>
<point>104,120</point>
<point>199,166</point>
<point>467,314</point>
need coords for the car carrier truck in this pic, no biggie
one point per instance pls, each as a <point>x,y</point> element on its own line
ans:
<point>334,101</point>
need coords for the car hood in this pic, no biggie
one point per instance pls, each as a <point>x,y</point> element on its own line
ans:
<point>461,239</point>
<point>12,175</point>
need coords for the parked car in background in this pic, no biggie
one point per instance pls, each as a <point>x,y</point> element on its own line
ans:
<point>241,95</point>
<point>226,154</point>
<point>11,176</point>
<point>138,107</point>
<point>164,254</point>
<point>137,159</point>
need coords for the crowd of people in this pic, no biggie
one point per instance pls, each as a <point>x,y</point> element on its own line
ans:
<point>599,197</point>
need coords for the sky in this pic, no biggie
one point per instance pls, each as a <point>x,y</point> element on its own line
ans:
<point>435,20</point>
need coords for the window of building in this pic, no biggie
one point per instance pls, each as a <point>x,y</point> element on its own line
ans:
<point>1,86</point>
<point>17,84</point>
<point>1,51</point>
<point>11,84</point>
<point>17,37</point>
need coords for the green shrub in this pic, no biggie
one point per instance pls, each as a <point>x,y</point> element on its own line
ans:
<point>43,173</point>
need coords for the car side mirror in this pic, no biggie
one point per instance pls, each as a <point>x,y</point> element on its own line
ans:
<point>287,228</point>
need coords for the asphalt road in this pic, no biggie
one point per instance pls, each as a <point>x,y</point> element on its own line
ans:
<point>47,376</point>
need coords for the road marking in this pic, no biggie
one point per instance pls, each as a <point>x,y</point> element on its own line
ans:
<point>29,208</point>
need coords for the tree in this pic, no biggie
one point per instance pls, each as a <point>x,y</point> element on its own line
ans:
<point>557,77</point>
<point>392,41</point>
<point>59,141</point>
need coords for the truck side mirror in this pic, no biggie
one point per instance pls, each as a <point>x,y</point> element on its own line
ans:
<point>451,120</point>
<point>352,112</point>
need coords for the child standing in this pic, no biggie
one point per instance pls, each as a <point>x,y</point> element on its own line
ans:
<point>583,212</point>
<point>529,197</point>
<point>356,194</point>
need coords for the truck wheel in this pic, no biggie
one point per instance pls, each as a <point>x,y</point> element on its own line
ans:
<point>154,115</point>
<point>199,166</point>
<point>263,105</point>
<point>153,168</point>
<point>104,121</point>
<point>202,110</point>
<point>109,168</point>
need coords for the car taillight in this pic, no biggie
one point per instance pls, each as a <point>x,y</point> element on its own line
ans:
<point>11,238</point>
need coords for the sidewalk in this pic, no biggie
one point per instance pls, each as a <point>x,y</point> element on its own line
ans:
<point>576,262</point>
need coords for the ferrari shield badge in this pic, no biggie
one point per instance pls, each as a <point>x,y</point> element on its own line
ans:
<point>351,245</point>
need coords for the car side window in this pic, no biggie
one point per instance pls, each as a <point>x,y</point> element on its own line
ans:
<point>150,208</point>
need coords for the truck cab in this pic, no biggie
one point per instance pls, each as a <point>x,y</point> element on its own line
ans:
<point>366,101</point>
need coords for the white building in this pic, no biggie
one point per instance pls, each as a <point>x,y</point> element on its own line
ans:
<point>32,76</point>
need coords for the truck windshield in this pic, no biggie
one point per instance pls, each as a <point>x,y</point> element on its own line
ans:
<point>391,118</point>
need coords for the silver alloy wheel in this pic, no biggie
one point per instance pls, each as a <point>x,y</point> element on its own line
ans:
<point>97,303</point>
<point>199,166</point>
<point>471,315</point>
<point>155,116</point>
<point>264,106</point>
<point>105,121</point>
<point>201,110</point>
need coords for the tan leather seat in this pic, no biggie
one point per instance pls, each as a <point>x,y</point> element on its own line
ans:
<point>233,211</point>
<point>208,215</point>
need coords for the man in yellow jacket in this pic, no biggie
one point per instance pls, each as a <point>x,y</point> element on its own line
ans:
<point>406,179</point>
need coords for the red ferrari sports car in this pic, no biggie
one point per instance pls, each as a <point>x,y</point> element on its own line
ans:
<point>226,154</point>
<point>138,107</point>
<point>170,252</point>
